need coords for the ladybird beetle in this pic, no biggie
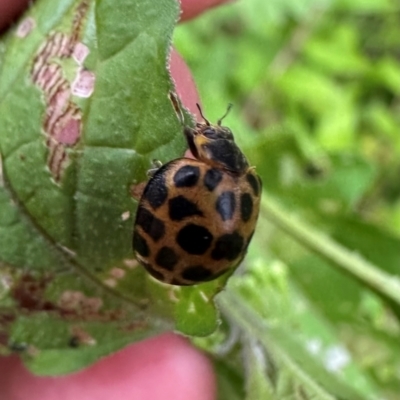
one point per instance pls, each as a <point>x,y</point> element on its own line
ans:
<point>196,217</point>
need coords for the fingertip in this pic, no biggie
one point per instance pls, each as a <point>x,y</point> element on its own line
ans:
<point>10,10</point>
<point>184,83</point>
<point>192,8</point>
<point>164,367</point>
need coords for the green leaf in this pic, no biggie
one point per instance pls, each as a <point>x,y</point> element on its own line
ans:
<point>229,381</point>
<point>315,91</point>
<point>307,372</point>
<point>361,269</point>
<point>323,51</point>
<point>84,108</point>
<point>382,6</point>
<point>387,71</point>
<point>310,178</point>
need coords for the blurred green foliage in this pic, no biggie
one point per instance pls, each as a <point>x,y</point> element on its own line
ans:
<point>316,90</point>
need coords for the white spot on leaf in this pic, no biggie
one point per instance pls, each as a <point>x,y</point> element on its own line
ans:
<point>110,282</point>
<point>204,296</point>
<point>83,336</point>
<point>25,27</point>
<point>93,304</point>
<point>83,85</point>
<point>80,52</point>
<point>130,263</point>
<point>173,293</point>
<point>6,281</point>
<point>125,216</point>
<point>70,299</point>
<point>117,273</point>
<point>75,300</point>
<point>314,346</point>
<point>336,358</point>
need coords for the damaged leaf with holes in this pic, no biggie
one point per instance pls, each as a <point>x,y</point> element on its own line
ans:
<point>84,108</point>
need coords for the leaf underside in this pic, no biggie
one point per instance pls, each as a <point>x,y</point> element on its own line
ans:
<point>85,107</point>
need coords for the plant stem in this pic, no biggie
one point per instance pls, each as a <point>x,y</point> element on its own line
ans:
<point>352,263</point>
<point>231,303</point>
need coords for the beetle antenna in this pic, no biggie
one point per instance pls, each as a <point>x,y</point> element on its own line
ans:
<point>230,105</point>
<point>202,116</point>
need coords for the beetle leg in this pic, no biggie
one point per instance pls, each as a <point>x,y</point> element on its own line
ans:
<point>155,166</point>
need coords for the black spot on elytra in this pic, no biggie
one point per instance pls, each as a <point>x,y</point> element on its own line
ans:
<point>153,226</point>
<point>166,258</point>
<point>254,183</point>
<point>180,207</point>
<point>156,191</point>
<point>228,246</point>
<point>226,205</point>
<point>187,176</point>
<point>212,178</point>
<point>194,239</point>
<point>156,274</point>
<point>140,245</point>
<point>196,273</point>
<point>246,206</point>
